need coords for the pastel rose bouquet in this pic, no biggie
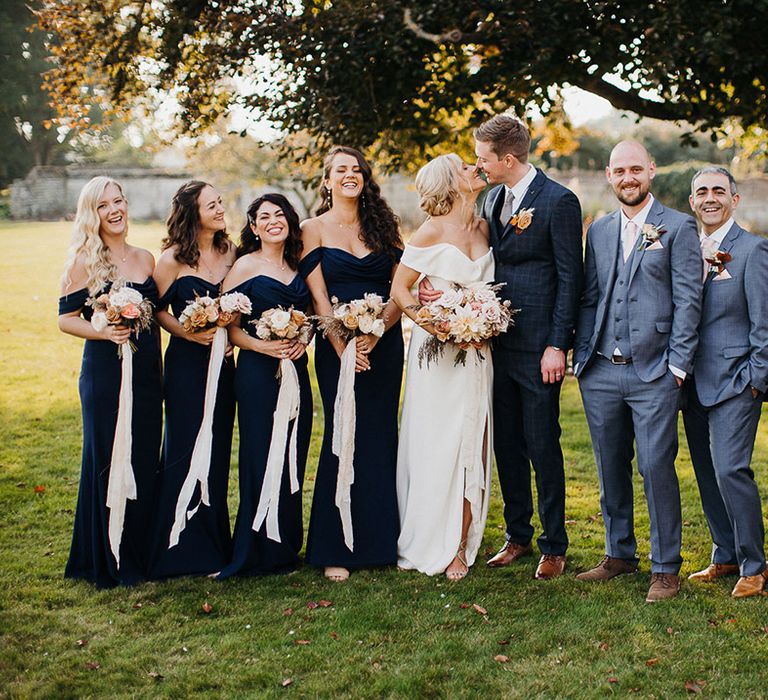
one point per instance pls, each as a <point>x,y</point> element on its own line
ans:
<point>283,324</point>
<point>353,318</point>
<point>206,312</point>
<point>464,316</point>
<point>121,306</point>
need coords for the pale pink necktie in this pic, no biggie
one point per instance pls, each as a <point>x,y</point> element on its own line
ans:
<point>628,238</point>
<point>708,247</point>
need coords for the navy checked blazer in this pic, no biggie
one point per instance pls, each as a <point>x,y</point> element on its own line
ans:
<point>542,266</point>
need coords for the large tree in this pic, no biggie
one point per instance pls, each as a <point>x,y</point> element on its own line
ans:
<point>403,73</point>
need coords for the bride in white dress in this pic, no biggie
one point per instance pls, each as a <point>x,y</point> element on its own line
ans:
<point>444,454</point>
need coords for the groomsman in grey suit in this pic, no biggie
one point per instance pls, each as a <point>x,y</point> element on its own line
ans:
<point>726,389</point>
<point>635,342</point>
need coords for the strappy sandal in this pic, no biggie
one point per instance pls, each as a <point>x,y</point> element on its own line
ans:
<point>337,574</point>
<point>461,556</point>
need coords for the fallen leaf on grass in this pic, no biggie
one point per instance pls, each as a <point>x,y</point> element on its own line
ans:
<point>376,666</point>
<point>603,646</point>
<point>286,682</point>
<point>92,665</point>
<point>613,679</point>
<point>464,606</point>
<point>21,485</point>
<point>136,606</point>
<point>501,658</point>
<point>652,662</point>
<point>207,608</point>
<point>288,611</point>
<point>333,635</point>
<point>503,642</point>
<point>670,630</point>
<point>731,620</point>
<point>570,522</point>
<point>712,623</point>
<point>39,488</point>
<point>694,686</point>
<point>155,675</point>
<point>302,641</point>
<point>479,609</point>
<point>81,642</point>
<point>325,603</point>
<point>312,605</point>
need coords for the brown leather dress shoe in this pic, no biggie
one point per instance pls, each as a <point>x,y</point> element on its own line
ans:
<point>714,571</point>
<point>511,551</point>
<point>608,568</point>
<point>550,566</point>
<point>750,585</point>
<point>663,586</point>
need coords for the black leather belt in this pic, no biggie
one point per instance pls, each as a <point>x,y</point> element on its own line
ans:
<point>616,359</point>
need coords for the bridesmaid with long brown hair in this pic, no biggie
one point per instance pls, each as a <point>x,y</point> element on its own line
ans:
<point>352,247</point>
<point>197,255</point>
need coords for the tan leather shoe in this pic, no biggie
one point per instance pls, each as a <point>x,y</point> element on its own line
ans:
<point>608,568</point>
<point>511,551</point>
<point>714,571</point>
<point>663,586</point>
<point>750,585</point>
<point>550,566</point>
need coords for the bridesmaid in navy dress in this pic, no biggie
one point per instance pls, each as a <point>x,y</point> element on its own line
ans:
<point>265,271</point>
<point>352,247</point>
<point>99,256</point>
<point>197,255</point>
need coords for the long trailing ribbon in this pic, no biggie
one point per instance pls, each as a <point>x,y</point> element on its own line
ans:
<point>121,485</point>
<point>286,410</point>
<point>200,463</point>
<point>343,444</point>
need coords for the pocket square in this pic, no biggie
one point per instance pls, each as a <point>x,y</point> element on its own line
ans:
<point>724,275</point>
<point>655,246</point>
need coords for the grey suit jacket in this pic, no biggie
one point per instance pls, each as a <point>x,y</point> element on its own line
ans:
<point>733,334</point>
<point>664,296</point>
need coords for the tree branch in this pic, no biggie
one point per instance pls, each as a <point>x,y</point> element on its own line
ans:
<point>452,36</point>
<point>631,101</point>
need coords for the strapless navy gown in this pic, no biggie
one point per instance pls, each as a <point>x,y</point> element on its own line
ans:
<point>375,519</point>
<point>90,556</point>
<point>257,386</point>
<point>205,544</point>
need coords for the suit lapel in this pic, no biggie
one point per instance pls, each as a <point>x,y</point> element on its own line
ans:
<point>530,196</point>
<point>613,227</point>
<point>491,208</point>
<point>653,219</point>
<point>730,238</point>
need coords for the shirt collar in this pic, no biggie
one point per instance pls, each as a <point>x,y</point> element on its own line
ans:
<point>639,218</point>
<point>718,235</point>
<point>521,186</point>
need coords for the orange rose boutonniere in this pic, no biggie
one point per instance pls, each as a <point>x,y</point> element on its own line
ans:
<point>718,260</point>
<point>521,220</point>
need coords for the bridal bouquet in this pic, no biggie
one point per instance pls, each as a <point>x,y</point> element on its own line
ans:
<point>207,312</point>
<point>283,324</point>
<point>465,316</point>
<point>350,319</point>
<point>121,306</point>
<point>201,314</point>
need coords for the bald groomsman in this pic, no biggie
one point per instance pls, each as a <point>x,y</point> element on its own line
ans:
<point>725,392</point>
<point>635,343</point>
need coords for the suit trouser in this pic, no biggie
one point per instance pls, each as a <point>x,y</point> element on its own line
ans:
<point>526,420</point>
<point>621,407</point>
<point>721,439</point>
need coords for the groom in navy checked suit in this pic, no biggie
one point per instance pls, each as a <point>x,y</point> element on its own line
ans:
<point>730,376</point>
<point>536,235</point>
<point>635,343</point>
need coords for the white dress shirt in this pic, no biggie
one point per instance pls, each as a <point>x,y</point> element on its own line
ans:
<point>520,187</point>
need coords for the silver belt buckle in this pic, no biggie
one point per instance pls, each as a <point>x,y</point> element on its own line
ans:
<point>619,360</point>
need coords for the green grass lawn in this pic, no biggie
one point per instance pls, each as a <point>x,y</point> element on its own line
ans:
<point>385,634</point>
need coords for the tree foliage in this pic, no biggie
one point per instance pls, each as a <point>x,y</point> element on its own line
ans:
<point>404,74</point>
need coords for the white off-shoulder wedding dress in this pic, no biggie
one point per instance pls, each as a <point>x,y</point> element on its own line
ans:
<point>445,448</point>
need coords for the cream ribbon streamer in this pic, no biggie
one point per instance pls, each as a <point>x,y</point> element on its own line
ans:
<point>286,410</point>
<point>343,444</point>
<point>200,463</point>
<point>121,485</point>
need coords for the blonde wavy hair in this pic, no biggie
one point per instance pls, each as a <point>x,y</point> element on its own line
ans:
<point>437,184</point>
<point>86,240</point>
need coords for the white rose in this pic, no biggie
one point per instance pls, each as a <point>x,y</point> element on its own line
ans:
<point>235,301</point>
<point>450,298</point>
<point>378,327</point>
<point>280,320</point>
<point>366,324</point>
<point>99,321</point>
<point>124,296</point>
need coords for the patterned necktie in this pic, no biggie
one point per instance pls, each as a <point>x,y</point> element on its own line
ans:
<point>628,239</point>
<point>508,209</point>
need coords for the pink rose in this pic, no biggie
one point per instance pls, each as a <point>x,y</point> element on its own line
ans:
<point>130,311</point>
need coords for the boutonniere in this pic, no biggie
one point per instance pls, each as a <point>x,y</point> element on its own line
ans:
<point>649,234</point>
<point>718,260</point>
<point>521,219</point>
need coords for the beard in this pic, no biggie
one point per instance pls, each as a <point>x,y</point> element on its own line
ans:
<point>635,199</point>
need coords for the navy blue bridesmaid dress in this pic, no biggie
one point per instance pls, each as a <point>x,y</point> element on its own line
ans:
<point>90,556</point>
<point>375,519</point>
<point>256,387</point>
<point>205,544</point>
